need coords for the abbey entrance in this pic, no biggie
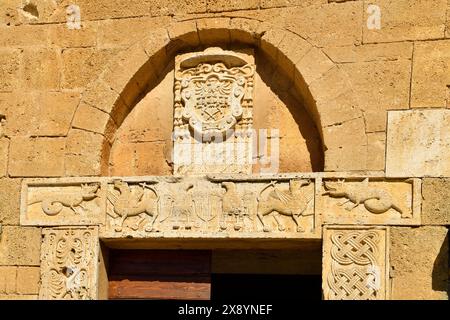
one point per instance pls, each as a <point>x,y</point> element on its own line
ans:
<point>231,157</point>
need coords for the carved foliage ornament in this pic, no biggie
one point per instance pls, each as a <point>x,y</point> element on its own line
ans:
<point>68,264</point>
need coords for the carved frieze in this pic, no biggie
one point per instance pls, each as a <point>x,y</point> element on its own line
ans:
<point>69,203</point>
<point>69,263</point>
<point>355,263</point>
<point>211,208</point>
<point>371,201</point>
<point>285,205</point>
<point>213,112</point>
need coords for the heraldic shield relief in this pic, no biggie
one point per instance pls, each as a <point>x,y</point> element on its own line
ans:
<point>213,88</point>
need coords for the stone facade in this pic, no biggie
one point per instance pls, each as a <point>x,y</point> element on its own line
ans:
<point>91,94</point>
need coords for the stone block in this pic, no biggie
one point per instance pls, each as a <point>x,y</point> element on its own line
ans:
<point>84,152</point>
<point>431,74</point>
<point>61,36</point>
<point>8,276</point>
<point>406,20</point>
<point>39,113</point>
<point>4,151</point>
<point>28,280</point>
<point>9,201</point>
<point>419,262</point>
<point>326,25</point>
<point>230,5</point>
<point>20,246</point>
<point>418,143</point>
<point>41,69</point>
<point>9,69</point>
<point>83,65</point>
<point>36,157</point>
<point>380,86</point>
<point>436,207</point>
<point>91,119</point>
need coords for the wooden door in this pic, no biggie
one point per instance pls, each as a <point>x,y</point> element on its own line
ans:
<point>160,274</point>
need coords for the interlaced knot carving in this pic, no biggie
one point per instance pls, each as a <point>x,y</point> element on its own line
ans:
<point>355,247</point>
<point>354,268</point>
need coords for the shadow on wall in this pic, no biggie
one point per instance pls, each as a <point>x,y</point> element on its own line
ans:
<point>441,268</point>
<point>142,145</point>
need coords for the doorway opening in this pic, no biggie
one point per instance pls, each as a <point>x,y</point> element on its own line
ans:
<point>214,274</point>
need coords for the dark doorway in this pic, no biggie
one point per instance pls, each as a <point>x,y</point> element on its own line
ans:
<point>265,287</point>
<point>241,275</point>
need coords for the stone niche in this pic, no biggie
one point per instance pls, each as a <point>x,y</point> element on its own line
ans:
<point>213,112</point>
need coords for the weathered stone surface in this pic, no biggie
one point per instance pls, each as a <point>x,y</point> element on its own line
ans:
<point>213,31</point>
<point>41,69</point>
<point>23,36</point>
<point>287,3</point>
<point>126,32</point>
<point>91,119</point>
<point>20,246</point>
<point>82,65</point>
<point>435,207</point>
<point>4,151</point>
<point>327,25</point>
<point>83,155</point>
<point>73,249</point>
<point>28,280</point>
<point>431,74</point>
<point>36,157</point>
<point>406,20</point>
<point>418,143</point>
<point>9,201</point>
<point>381,85</point>
<point>376,151</point>
<point>38,113</point>
<point>230,5</point>
<point>9,69</point>
<point>419,261</point>
<point>62,36</point>
<point>8,276</point>
<point>340,156</point>
<point>355,263</point>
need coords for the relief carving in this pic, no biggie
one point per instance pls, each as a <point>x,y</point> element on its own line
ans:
<point>371,201</point>
<point>355,264</point>
<point>237,207</point>
<point>73,199</point>
<point>292,203</point>
<point>374,200</point>
<point>69,264</point>
<point>65,204</point>
<point>126,202</point>
<point>213,109</point>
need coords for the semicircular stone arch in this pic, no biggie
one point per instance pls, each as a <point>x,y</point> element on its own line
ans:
<point>312,77</point>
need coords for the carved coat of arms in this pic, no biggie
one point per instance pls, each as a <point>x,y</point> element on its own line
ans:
<point>211,93</point>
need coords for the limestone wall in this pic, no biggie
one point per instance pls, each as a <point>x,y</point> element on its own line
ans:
<point>65,97</point>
